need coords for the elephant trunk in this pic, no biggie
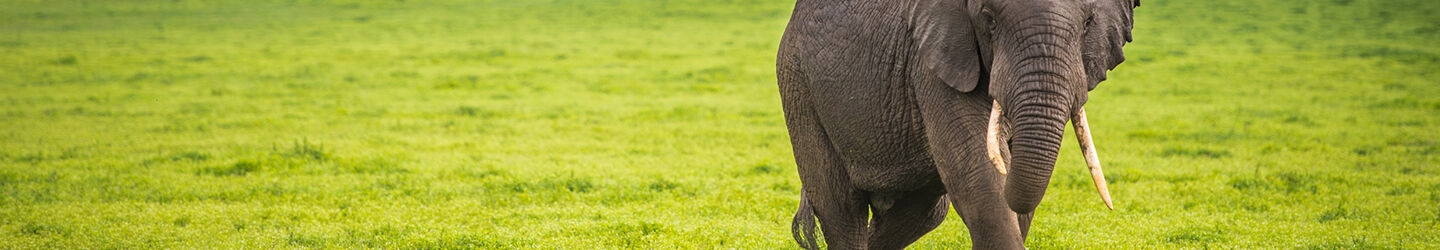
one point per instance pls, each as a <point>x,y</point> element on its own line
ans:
<point>1039,126</point>
<point>1035,147</point>
<point>1041,79</point>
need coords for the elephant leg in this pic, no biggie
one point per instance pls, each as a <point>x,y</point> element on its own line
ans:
<point>842,218</point>
<point>837,204</point>
<point>911,216</point>
<point>955,123</point>
<point>1025,220</point>
<point>975,188</point>
<point>840,207</point>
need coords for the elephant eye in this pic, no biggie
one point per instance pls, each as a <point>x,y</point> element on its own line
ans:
<point>988,19</point>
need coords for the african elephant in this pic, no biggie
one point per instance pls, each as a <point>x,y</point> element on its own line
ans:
<point>893,106</point>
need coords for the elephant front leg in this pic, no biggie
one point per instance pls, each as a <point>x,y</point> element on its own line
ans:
<point>976,191</point>
<point>955,124</point>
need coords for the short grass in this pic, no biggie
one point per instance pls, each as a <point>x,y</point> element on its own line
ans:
<point>657,124</point>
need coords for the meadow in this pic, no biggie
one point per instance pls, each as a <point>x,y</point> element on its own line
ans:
<point>541,124</point>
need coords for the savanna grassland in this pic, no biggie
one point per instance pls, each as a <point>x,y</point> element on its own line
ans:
<point>657,124</point>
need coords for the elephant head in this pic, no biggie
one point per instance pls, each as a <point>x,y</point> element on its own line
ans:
<point>1037,59</point>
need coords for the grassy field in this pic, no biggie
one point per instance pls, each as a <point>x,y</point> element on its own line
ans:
<point>657,124</point>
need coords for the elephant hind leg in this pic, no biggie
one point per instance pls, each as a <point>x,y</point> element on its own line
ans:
<point>826,190</point>
<point>911,216</point>
<point>843,218</point>
<point>841,209</point>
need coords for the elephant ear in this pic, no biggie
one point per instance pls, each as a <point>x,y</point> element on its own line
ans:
<point>947,44</point>
<point>1107,30</point>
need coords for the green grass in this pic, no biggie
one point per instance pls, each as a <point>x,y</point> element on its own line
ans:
<point>657,124</point>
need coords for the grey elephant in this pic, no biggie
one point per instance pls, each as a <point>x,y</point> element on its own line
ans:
<point>893,106</point>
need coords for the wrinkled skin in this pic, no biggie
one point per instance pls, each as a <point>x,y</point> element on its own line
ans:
<point>887,104</point>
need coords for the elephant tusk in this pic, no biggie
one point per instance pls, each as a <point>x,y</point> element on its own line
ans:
<point>992,138</point>
<point>1087,147</point>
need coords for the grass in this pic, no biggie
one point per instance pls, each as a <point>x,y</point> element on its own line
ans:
<point>657,124</point>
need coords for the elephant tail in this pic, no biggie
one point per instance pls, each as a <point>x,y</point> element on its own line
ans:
<point>803,228</point>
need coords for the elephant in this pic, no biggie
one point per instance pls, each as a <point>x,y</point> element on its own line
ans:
<point>898,110</point>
